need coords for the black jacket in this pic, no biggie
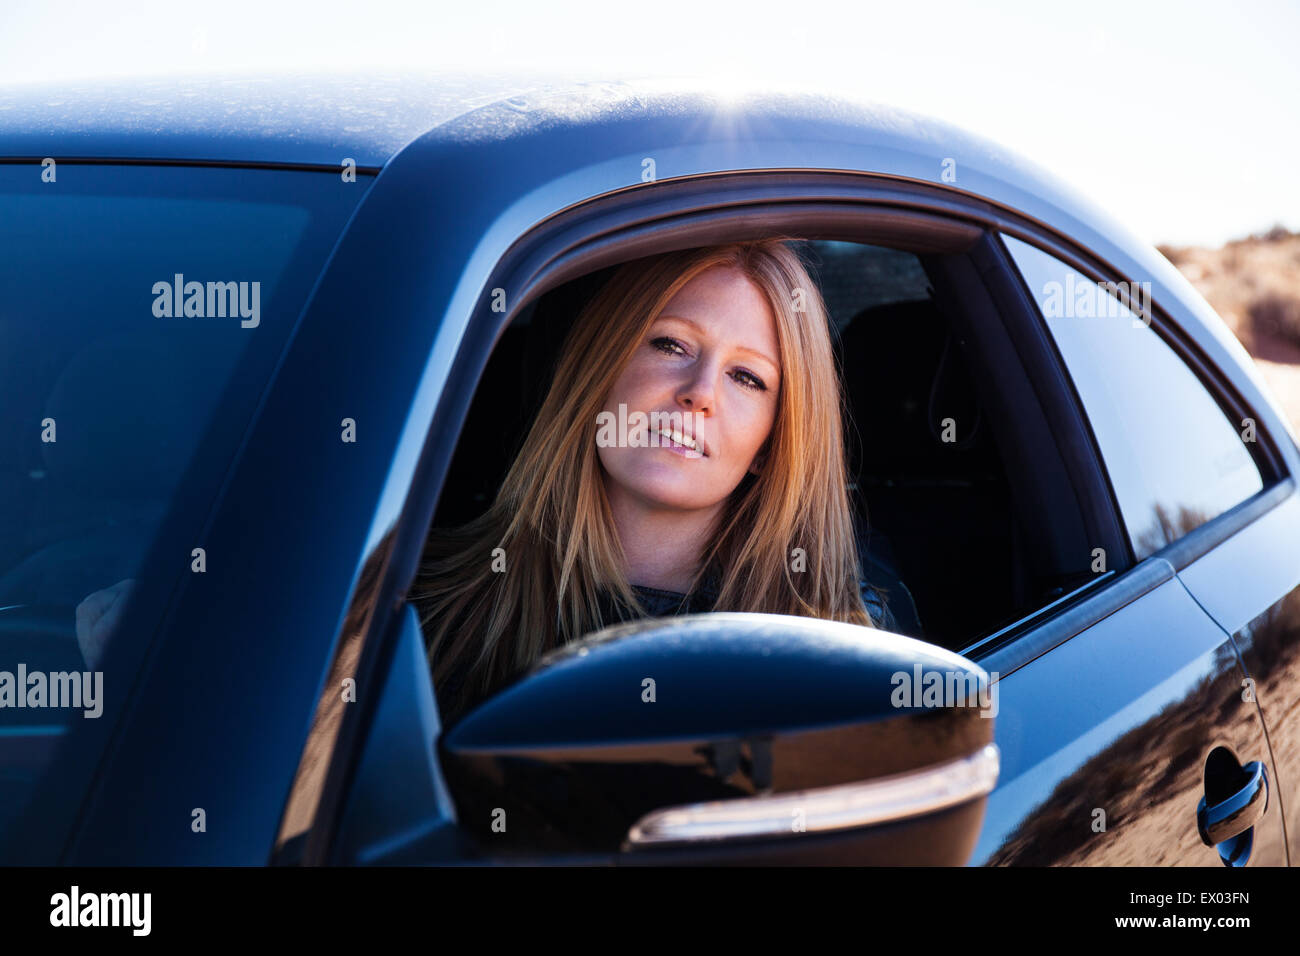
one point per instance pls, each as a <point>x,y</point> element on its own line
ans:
<point>881,588</point>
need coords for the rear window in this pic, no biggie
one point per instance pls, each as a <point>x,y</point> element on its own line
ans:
<point>142,313</point>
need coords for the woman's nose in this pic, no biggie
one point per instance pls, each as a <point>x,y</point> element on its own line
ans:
<point>697,393</point>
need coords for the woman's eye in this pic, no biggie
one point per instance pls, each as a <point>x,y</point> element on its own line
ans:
<point>668,346</point>
<point>672,347</point>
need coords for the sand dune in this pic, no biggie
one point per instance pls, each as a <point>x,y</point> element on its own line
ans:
<point>1254,284</point>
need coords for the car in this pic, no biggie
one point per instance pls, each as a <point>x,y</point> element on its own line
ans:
<point>259,335</point>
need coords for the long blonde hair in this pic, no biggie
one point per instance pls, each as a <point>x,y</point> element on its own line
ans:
<point>490,614</point>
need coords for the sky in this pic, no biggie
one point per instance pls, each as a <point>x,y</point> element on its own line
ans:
<point>1182,118</point>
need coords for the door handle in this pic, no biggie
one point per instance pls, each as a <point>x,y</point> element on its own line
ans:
<point>1238,813</point>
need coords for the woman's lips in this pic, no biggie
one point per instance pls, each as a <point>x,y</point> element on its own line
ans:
<point>667,443</point>
<point>692,446</point>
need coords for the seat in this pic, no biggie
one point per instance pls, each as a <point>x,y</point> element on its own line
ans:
<point>943,506</point>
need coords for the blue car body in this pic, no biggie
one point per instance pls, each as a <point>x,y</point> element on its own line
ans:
<point>1110,702</point>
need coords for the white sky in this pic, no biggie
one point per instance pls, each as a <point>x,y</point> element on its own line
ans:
<point>1182,117</point>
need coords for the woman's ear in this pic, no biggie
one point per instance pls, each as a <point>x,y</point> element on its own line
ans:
<point>756,466</point>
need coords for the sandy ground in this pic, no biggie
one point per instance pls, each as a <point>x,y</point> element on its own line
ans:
<point>1254,284</point>
<point>1284,382</point>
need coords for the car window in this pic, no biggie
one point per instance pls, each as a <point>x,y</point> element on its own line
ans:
<point>142,311</point>
<point>1174,459</point>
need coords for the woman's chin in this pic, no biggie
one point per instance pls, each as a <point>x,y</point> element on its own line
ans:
<point>677,494</point>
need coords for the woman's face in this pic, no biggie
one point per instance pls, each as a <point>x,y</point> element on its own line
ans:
<point>712,352</point>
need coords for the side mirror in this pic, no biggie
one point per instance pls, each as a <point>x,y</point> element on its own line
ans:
<point>731,738</point>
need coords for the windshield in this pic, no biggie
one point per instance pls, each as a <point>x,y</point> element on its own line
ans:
<point>143,310</point>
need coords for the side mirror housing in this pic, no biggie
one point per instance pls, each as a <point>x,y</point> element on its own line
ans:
<point>731,737</point>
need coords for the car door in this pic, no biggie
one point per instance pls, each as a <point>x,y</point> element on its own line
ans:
<point>1127,706</point>
<point>1250,585</point>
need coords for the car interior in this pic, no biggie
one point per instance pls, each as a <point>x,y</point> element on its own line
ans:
<point>942,445</point>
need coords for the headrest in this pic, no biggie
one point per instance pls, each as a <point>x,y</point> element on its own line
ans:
<point>904,374</point>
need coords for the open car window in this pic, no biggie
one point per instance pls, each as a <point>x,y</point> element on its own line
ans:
<point>938,466</point>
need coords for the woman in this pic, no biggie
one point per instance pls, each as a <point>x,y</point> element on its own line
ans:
<point>742,506</point>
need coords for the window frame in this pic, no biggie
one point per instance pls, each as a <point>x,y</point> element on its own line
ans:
<point>641,220</point>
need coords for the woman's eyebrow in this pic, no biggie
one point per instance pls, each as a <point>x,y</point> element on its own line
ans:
<point>695,325</point>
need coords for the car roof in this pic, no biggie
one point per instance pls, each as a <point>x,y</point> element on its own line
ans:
<point>321,119</point>
<point>317,118</point>
<point>282,118</point>
<point>568,123</point>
